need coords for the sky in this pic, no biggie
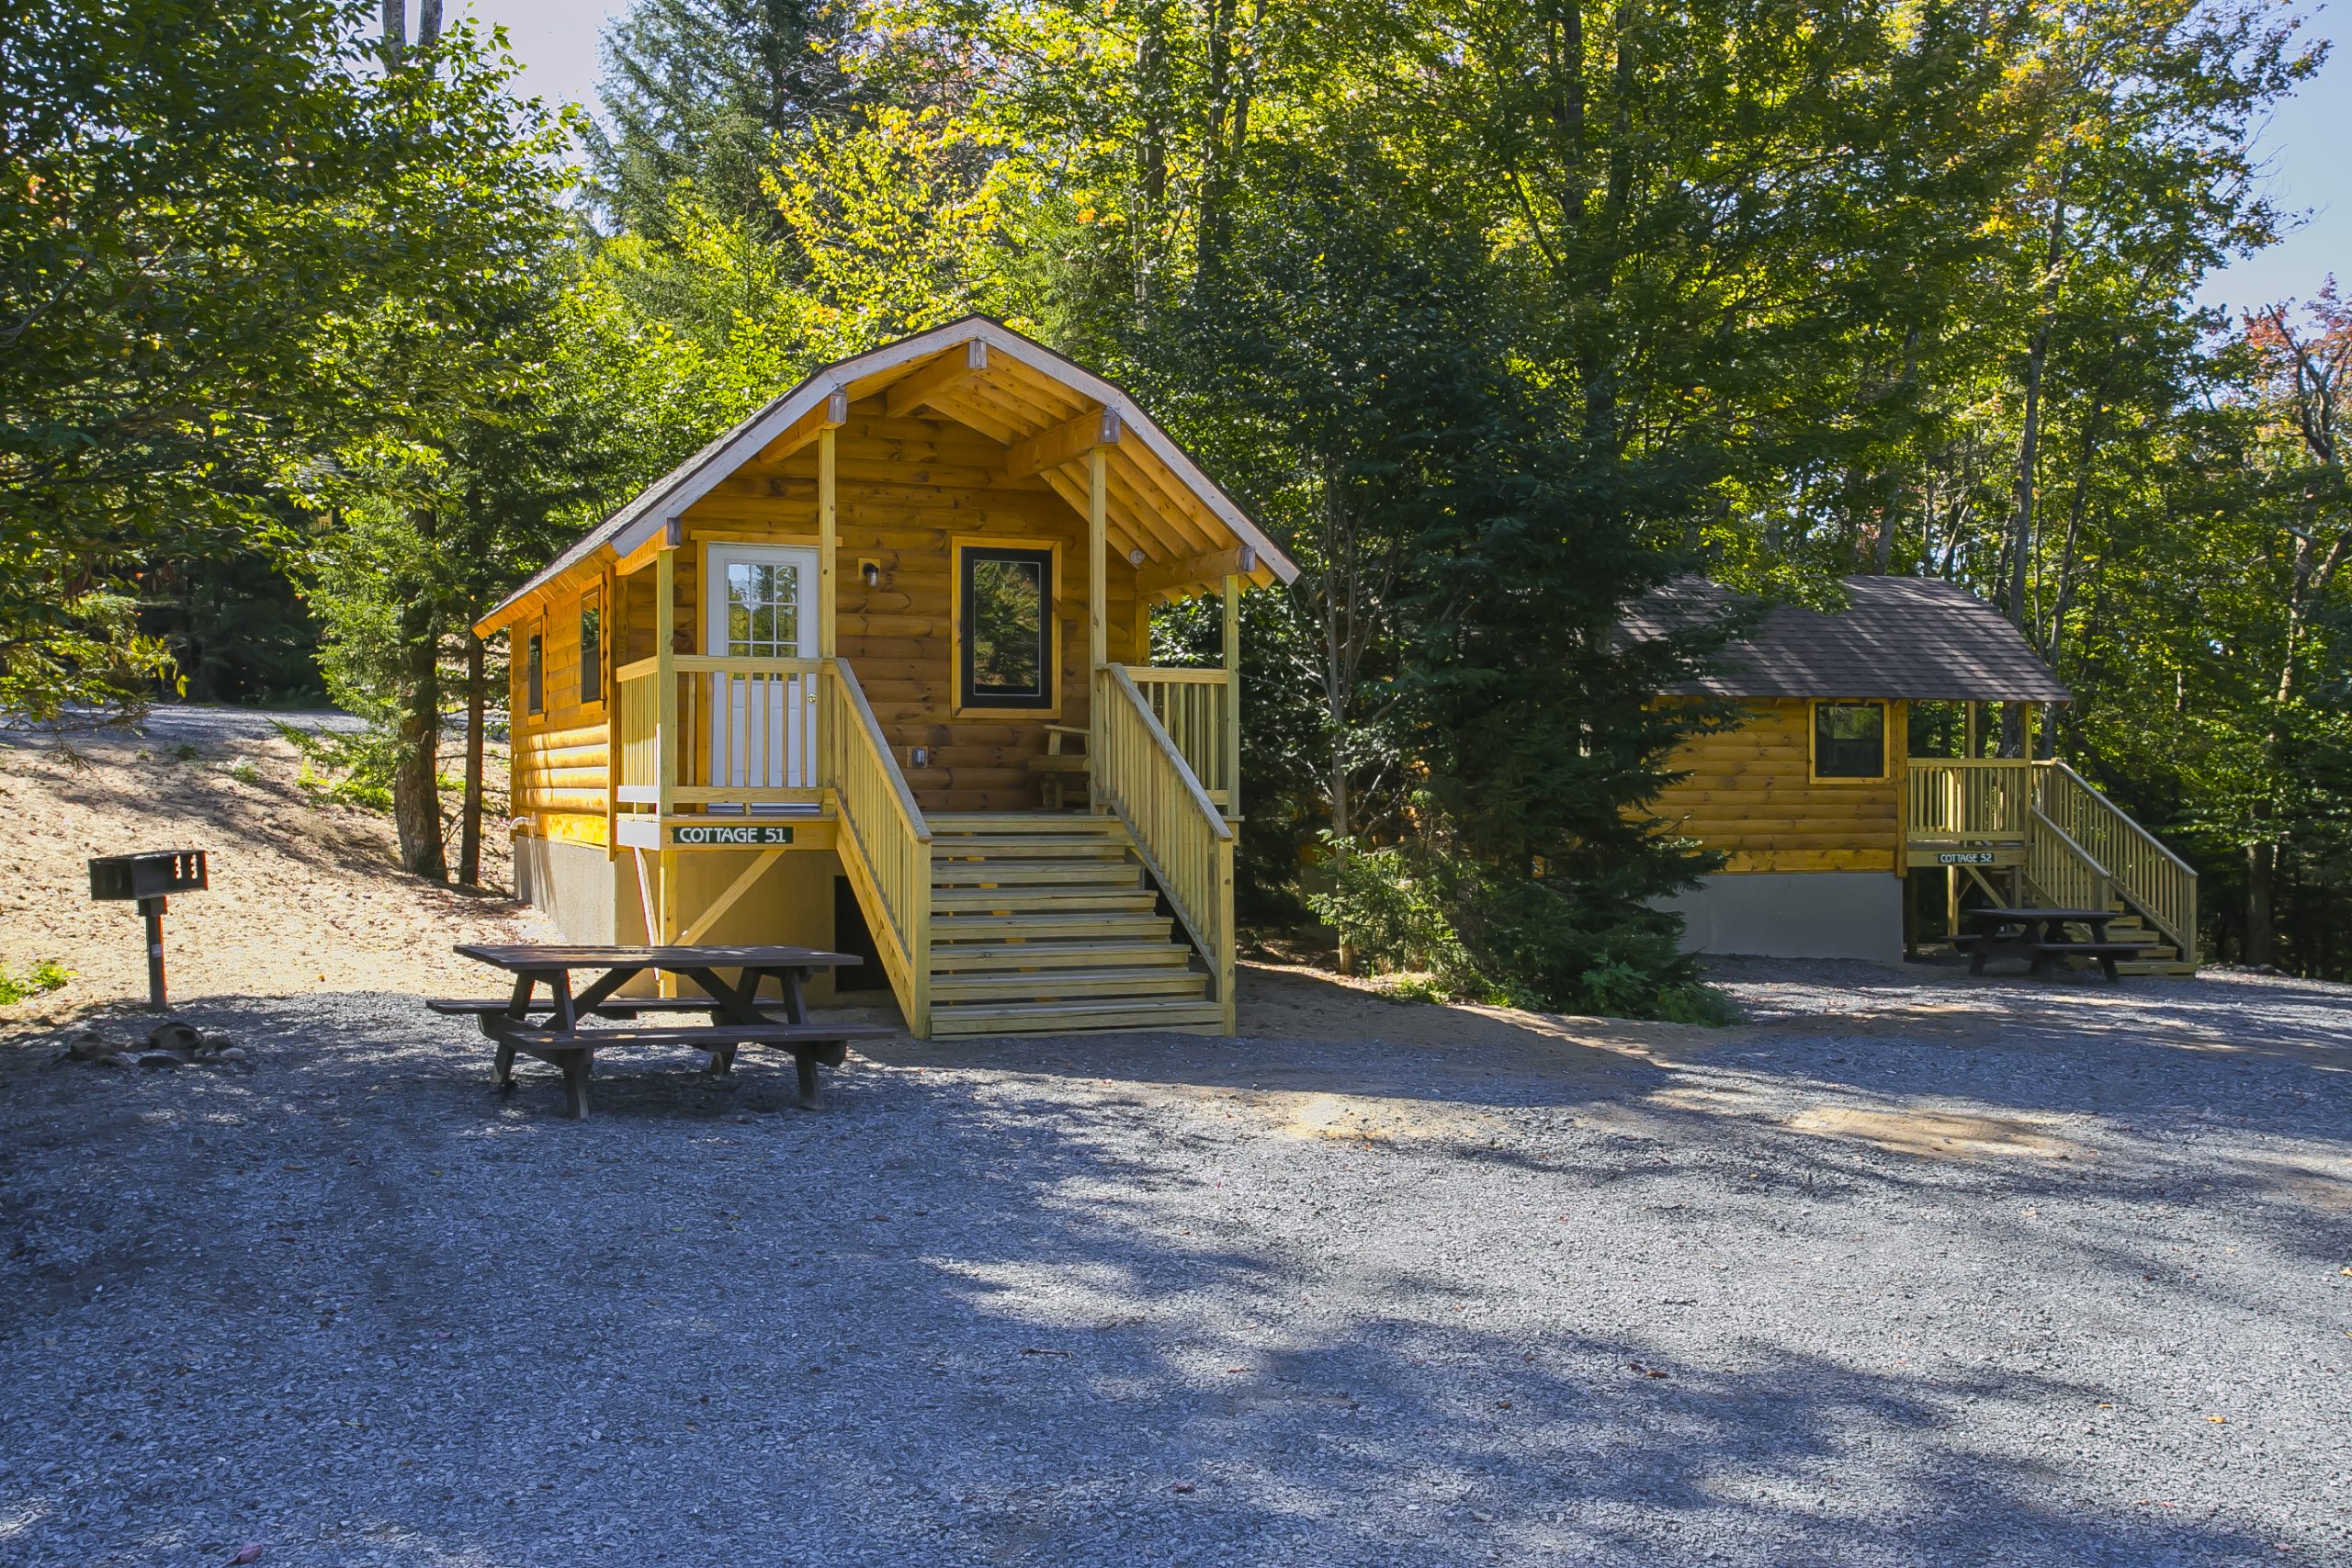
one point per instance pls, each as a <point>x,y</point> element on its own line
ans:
<point>2307,145</point>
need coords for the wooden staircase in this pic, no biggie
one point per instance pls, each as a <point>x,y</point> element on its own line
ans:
<point>1043,923</point>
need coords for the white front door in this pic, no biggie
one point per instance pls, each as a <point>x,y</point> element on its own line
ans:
<point>762,604</point>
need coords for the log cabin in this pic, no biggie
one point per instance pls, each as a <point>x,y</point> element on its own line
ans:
<point>871,671</point>
<point>1825,816</point>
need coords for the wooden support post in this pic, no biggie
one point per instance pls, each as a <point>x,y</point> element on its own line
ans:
<point>826,577</point>
<point>828,586</point>
<point>1232,694</point>
<point>1098,514</point>
<point>666,745</point>
<point>669,931</point>
<point>665,681</point>
<point>1975,742</point>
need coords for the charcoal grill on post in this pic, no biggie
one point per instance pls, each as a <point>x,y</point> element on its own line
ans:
<point>148,878</point>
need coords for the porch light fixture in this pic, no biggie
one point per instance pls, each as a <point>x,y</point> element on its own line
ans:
<point>872,571</point>
<point>1134,557</point>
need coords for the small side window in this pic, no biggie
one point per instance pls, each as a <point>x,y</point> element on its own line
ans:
<point>535,689</point>
<point>1850,741</point>
<point>592,652</point>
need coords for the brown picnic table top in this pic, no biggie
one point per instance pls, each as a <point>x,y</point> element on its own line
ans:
<point>2039,936</point>
<point>551,1030</point>
<point>1992,916</point>
<point>519,956</point>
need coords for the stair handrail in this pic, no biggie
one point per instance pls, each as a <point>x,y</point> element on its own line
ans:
<point>1184,839</point>
<point>2153,880</point>
<point>2084,864</point>
<point>886,840</point>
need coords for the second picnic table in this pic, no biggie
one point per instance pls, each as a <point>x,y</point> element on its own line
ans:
<point>551,1030</point>
<point>2040,937</point>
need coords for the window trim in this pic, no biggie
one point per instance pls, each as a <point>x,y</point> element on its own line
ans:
<point>958,547</point>
<point>534,670</point>
<point>1813,738</point>
<point>592,602</point>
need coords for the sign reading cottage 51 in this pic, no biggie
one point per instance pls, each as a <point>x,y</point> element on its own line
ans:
<point>754,833</point>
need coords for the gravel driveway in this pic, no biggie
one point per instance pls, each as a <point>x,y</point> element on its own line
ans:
<point>1911,1271</point>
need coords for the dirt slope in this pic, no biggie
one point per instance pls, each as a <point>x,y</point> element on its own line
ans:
<point>304,895</point>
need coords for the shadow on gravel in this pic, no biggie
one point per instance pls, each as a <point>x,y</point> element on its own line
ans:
<point>996,1304</point>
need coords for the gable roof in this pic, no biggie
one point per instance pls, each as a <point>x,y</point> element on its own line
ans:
<point>1898,637</point>
<point>1160,460</point>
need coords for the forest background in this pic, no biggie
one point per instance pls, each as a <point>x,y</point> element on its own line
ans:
<point>1499,314</point>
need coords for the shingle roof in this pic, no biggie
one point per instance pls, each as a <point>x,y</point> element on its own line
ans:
<point>673,493</point>
<point>1898,637</point>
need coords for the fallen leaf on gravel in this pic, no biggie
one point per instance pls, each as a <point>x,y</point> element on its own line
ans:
<point>1185,1486</point>
<point>1647,1371</point>
<point>248,1552</point>
<point>2219,1420</point>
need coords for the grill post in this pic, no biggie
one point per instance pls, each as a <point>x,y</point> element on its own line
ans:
<point>154,909</point>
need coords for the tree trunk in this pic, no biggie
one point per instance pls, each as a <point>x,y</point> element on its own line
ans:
<point>470,820</point>
<point>416,764</point>
<point>428,23</point>
<point>416,781</point>
<point>2261,894</point>
<point>395,14</point>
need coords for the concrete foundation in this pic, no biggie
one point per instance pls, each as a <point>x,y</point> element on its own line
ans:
<point>575,887</point>
<point>1788,914</point>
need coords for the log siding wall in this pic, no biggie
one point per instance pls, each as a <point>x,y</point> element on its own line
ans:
<point>1751,793</point>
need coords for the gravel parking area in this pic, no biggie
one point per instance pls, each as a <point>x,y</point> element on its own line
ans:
<point>1910,1270</point>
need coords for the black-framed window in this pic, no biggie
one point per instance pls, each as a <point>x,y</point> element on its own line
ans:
<point>1006,603</point>
<point>592,651</point>
<point>535,687</point>
<point>1850,740</point>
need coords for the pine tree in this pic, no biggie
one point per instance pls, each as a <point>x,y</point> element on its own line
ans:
<point>698,91</point>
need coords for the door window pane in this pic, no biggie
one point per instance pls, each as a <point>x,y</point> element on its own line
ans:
<point>762,610</point>
<point>1850,740</point>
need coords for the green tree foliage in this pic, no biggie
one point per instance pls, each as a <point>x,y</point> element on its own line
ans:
<point>698,94</point>
<point>213,219</point>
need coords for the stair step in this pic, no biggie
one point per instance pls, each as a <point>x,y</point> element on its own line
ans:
<point>981,824</point>
<point>2175,969</point>
<point>1030,846</point>
<point>1131,900</point>
<point>1058,1017</point>
<point>1067,984</point>
<point>1008,873</point>
<point>953,957</point>
<point>991,926</point>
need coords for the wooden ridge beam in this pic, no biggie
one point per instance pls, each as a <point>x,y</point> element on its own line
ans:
<point>944,374</point>
<point>828,415</point>
<point>1199,572</point>
<point>1064,442</point>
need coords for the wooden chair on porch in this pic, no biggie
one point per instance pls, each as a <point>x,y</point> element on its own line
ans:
<point>1057,767</point>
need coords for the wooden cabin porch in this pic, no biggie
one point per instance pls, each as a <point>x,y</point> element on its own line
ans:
<point>2037,832</point>
<point>893,630</point>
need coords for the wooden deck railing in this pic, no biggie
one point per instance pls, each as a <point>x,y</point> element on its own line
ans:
<point>1194,707</point>
<point>2065,872</point>
<point>885,844</point>
<point>746,732</point>
<point>1974,798</point>
<point>2156,881</point>
<point>1184,840</point>
<point>637,711</point>
<point>2079,848</point>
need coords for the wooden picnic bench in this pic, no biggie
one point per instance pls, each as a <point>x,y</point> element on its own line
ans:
<point>551,1030</point>
<point>2040,937</point>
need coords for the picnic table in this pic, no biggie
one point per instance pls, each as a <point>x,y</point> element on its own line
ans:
<point>2039,936</point>
<point>552,1028</point>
